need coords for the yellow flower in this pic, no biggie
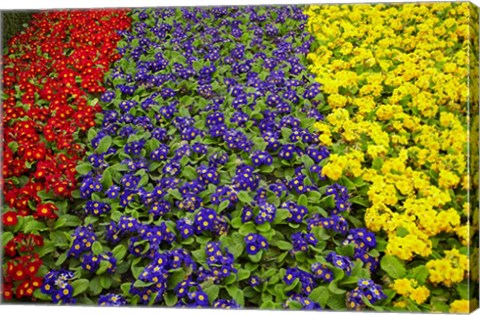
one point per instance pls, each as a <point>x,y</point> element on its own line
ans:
<point>400,304</point>
<point>337,100</point>
<point>420,294</point>
<point>402,286</point>
<point>460,306</point>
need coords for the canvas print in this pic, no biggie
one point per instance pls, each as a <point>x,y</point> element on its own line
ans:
<point>315,157</point>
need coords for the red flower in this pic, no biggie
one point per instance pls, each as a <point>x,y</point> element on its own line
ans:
<point>11,248</point>
<point>46,210</point>
<point>36,282</point>
<point>32,268</point>
<point>7,291</point>
<point>18,273</point>
<point>10,218</point>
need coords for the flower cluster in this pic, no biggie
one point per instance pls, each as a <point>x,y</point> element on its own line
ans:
<point>363,242</point>
<point>409,288</point>
<point>92,262</point>
<point>22,272</point>
<point>254,243</point>
<point>365,289</point>
<point>220,265</point>
<point>301,241</point>
<point>57,284</point>
<point>111,299</point>
<point>83,239</point>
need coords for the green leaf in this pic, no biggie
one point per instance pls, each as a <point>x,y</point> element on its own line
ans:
<point>303,200</point>
<point>91,134</point>
<point>95,287</point>
<point>223,205</point>
<point>320,295</point>
<point>47,248</point>
<point>189,173</point>
<point>336,302</point>
<point>332,287</point>
<point>107,180</point>
<point>6,237</point>
<point>281,215</point>
<point>61,259</point>
<point>402,232</point>
<point>103,267</point>
<point>141,284</point>
<point>367,302</point>
<point>265,227</point>
<point>33,226</point>
<point>176,194</point>
<point>41,296</point>
<point>244,197</point>
<point>67,220</point>
<point>464,291</point>
<point>170,299</point>
<point>268,305</point>
<point>104,144</point>
<point>199,255</point>
<point>97,248</point>
<point>393,266</point>
<point>176,277</point>
<point>247,229</point>
<point>257,257</point>
<point>360,201</point>
<point>281,257</point>
<point>236,222</point>
<point>237,294</point>
<point>83,168</point>
<point>243,274</point>
<point>80,286</point>
<point>212,291</point>
<point>377,163</point>
<point>119,252</point>
<point>419,273</point>
<point>348,250</point>
<point>125,287</point>
<point>106,281</point>
<point>13,146</point>
<point>294,305</point>
<point>283,245</point>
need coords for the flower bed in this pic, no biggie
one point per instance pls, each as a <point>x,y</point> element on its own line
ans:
<point>283,157</point>
<point>49,70</point>
<point>399,96</point>
<point>207,152</point>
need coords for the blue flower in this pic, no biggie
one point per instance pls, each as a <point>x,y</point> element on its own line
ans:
<point>301,241</point>
<point>226,304</point>
<point>365,289</point>
<point>341,262</point>
<point>340,194</point>
<point>83,238</point>
<point>113,192</point>
<point>322,272</point>
<point>267,213</point>
<point>97,208</point>
<point>111,299</point>
<point>160,153</point>
<point>261,158</point>
<point>255,243</point>
<point>57,285</point>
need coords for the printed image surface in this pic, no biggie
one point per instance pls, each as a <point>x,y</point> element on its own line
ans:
<point>268,157</point>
